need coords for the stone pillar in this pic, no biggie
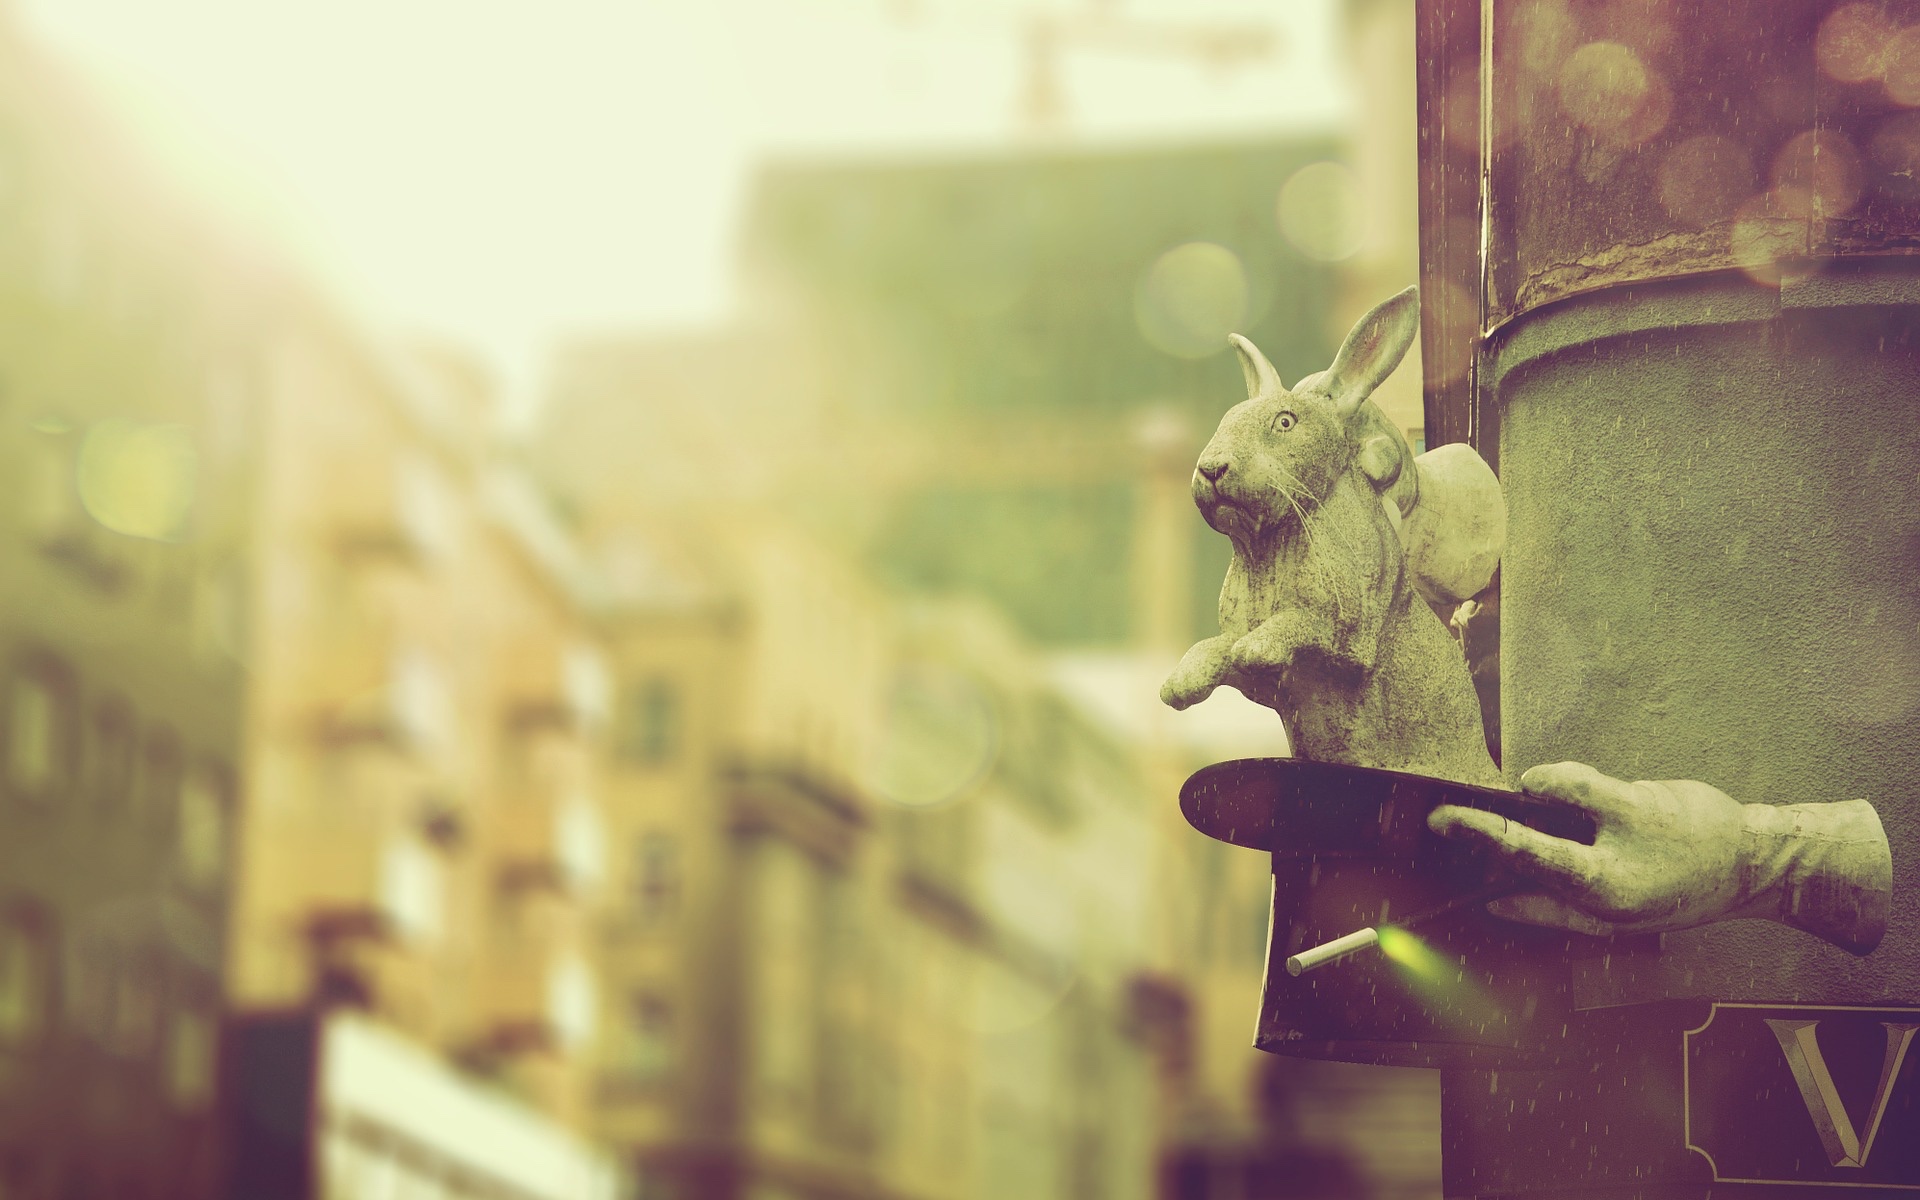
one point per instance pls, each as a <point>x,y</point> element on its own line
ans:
<point>1695,358</point>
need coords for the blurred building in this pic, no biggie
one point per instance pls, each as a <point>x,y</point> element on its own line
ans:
<point>992,375</point>
<point>321,725</point>
<point>296,709</point>
<point>880,906</point>
<point>121,710</point>
<point>947,366</point>
<point>423,706</point>
<point>485,825</point>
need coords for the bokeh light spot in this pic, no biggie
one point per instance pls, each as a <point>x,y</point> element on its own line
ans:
<point>1003,1002</point>
<point>138,479</point>
<point>1320,212</point>
<point>1817,173</point>
<point>1192,297</point>
<point>1603,85</point>
<point>941,735</point>
<point>1704,179</point>
<point>1900,73</point>
<point>1643,123</point>
<point>1852,42</point>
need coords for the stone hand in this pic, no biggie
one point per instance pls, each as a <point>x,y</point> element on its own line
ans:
<point>1673,854</point>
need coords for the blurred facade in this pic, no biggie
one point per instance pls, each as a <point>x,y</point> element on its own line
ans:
<point>429,798</point>
<point>992,375</point>
<point>253,776</point>
<point>121,713</point>
<point>956,369</point>
<point>425,838</point>
<point>869,941</point>
<point>674,818</point>
<point>237,778</point>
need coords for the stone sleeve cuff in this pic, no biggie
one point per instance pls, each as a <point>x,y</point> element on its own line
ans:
<point>1823,868</point>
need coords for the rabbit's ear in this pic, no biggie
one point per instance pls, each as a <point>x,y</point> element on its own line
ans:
<point>1375,347</point>
<point>1262,379</point>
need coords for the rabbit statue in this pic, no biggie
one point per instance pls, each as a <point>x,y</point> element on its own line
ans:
<point>1320,620</point>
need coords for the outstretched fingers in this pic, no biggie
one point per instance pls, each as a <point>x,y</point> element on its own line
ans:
<point>1580,786</point>
<point>1535,855</point>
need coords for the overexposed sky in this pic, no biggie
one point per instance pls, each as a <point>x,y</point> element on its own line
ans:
<point>508,171</point>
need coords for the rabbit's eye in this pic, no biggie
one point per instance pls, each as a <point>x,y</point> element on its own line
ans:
<point>1283,421</point>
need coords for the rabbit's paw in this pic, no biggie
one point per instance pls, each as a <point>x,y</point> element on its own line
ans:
<point>1200,671</point>
<point>1272,645</point>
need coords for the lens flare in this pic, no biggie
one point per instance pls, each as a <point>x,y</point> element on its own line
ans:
<point>1416,958</point>
<point>138,479</point>
<point>1192,297</point>
<point>1440,981</point>
<point>1320,212</point>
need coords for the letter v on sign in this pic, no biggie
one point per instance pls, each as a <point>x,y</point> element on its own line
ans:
<point>1844,1145</point>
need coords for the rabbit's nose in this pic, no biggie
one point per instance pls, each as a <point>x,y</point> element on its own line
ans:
<point>1213,468</point>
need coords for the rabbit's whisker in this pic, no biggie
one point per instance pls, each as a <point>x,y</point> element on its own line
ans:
<point>1322,572</point>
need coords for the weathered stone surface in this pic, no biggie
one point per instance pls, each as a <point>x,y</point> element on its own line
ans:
<point>1673,854</point>
<point>1699,583</point>
<point>1455,533</point>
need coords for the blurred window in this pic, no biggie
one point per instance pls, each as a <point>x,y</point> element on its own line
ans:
<point>206,804</point>
<point>656,876</point>
<point>1418,436</point>
<point>646,1052</point>
<point>411,888</point>
<point>650,720</point>
<point>42,733</point>
<point>190,1058</point>
<point>580,843</point>
<point>133,1022</point>
<point>161,780</point>
<point>113,763</point>
<point>584,679</point>
<point>570,1001</point>
<point>420,706</point>
<point>26,974</point>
